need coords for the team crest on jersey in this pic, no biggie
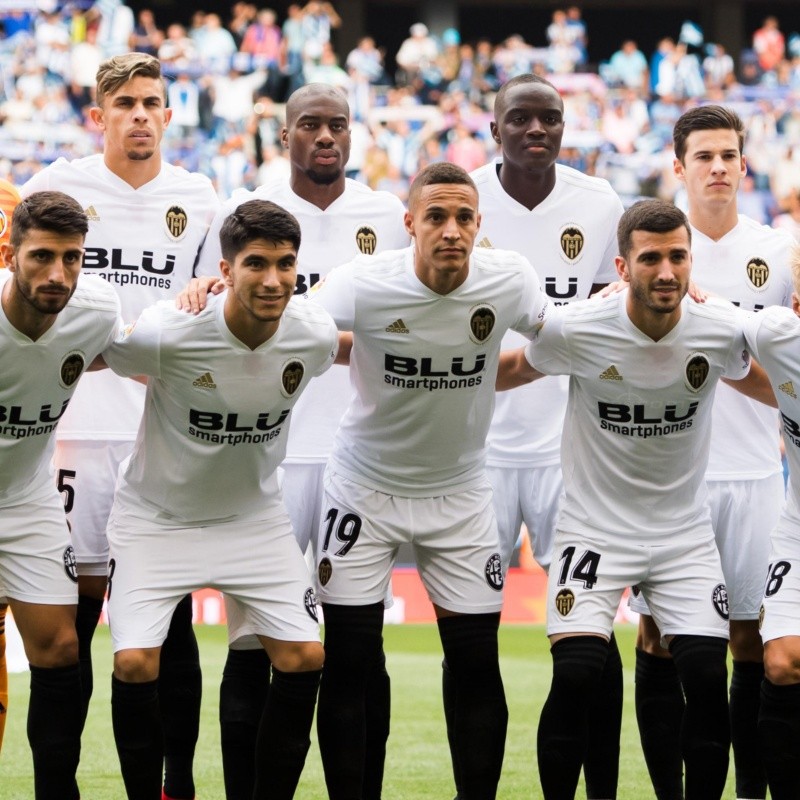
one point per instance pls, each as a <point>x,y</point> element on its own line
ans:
<point>761,613</point>
<point>719,598</point>
<point>635,590</point>
<point>71,368</point>
<point>572,241</point>
<point>310,602</point>
<point>697,369</point>
<point>324,571</point>
<point>70,564</point>
<point>367,240</point>
<point>494,572</point>
<point>176,219</point>
<point>292,376</point>
<point>481,323</point>
<point>757,272</point>
<point>565,600</point>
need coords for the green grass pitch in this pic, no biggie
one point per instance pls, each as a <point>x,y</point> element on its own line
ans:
<point>417,765</point>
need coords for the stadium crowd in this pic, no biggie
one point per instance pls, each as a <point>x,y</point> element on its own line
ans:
<point>230,78</point>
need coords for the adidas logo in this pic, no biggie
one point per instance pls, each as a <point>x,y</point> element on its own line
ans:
<point>485,242</point>
<point>398,326</point>
<point>205,382</point>
<point>788,388</point>
<point>610,374</point>
<point>92,214</point>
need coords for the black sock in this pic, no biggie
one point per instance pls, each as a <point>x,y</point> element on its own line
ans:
<point>659,714</point>
<point>242,695</point>
<point>746,679</point>
<point>480,717</point>
<point>180,688</point>
<point>779,738</point>
<point>378,709</point>
<point>578,663</point>
<point>352,649</point>
<point>86,620</point>
<point>449,703</point>
<point>284,735</point>
<point>706,730</point>
<point>601,762</point>
<point>139,738</point>
<point>54,731</point>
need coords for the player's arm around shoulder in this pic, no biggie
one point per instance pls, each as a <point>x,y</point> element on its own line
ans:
<point>753,381</point>
<point>336,294</point>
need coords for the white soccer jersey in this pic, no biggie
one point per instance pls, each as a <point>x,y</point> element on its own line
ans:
<point>571,240</point>
<point>750,267</point>
<point>144,242</point>
<point>773,337</point>
<point>636,433</point>
<point>39,379</point>
<point>216,417</point>
<point>358,221</point>
<point>423,366</point>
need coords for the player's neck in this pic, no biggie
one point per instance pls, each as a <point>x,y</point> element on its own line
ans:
<point>438,280</point>
<point>135,173</point>
<point>319,195</point>
<point>22,315</point>
<point>652,324</point>
<point>249,331</point>
<point>527,188</point>
<point>714,221</point>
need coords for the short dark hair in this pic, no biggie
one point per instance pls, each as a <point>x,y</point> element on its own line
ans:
<point>257,219</point>
<point>705,118</point>
<point>517,80</point>
<point>653,216</point>
<point>440,172</point>
<point>48,211</point>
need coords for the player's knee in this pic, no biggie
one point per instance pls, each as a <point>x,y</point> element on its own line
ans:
<point>578,663</point>
<point>297,656</point>
<point>648,637</point>
<point>56,647</point>
<point>137,665</point>
<point>782,664</point>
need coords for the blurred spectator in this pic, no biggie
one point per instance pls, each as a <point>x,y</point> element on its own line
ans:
<point>580,37</point>
<point>215,44</point>
<point>562,52</point>
<point>769,44</point>
<point>274,165</point>
<point>664,50</point>
<point>52,41</point>
<point>177,52</point>
<point>416,54</point>
<point>790,219</point>
<point>293,43</point>
<point>233,101</point>
<point>752,201</point>
<point>319,18</point>
<point>326,69</point>
<point>263,38</point>
<point>183,97</point>
<point>365,61</point>
<point>146,37</point>
<point>84,61</point>
<point>242,17</point>
<point>629,67</point>
<point>116,24</point>
<point>718,68</point>
<point>464,149</point>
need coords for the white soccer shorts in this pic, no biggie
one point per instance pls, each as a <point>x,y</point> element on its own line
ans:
<point>780,612</point>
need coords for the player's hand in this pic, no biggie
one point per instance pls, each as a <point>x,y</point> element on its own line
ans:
<point>696,293</point>
<point>194,297</point>
<point>615,287</point>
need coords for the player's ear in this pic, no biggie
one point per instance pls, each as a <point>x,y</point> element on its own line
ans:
<point>225,269</point>
<point>678,169</point>
<point>622,268</point>
<point>96,116</point>
<point>285,137</point>
<point>796,303</point>
<point>495,131</point>
<point>167,116</point>
<point>7,255</point>
<point>408,221</point>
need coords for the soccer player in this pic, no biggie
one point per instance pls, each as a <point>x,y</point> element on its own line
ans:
<point>772,337</point>
<point>199,504</point>
<point>565,224</point>
<point>408,467</point>
<point>51,329</point>
<point>147,220</point>
<point>9,198</point>
<point>340,219</point>
<point>747,263</point>
<point>643,367</point>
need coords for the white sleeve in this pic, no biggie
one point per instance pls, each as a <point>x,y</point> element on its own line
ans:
<point>533,305</point>
<point>137,349</point>
<point>549,352</point>
<point>211,253</point>
<point>336,294</point>
<point>737,364</point>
